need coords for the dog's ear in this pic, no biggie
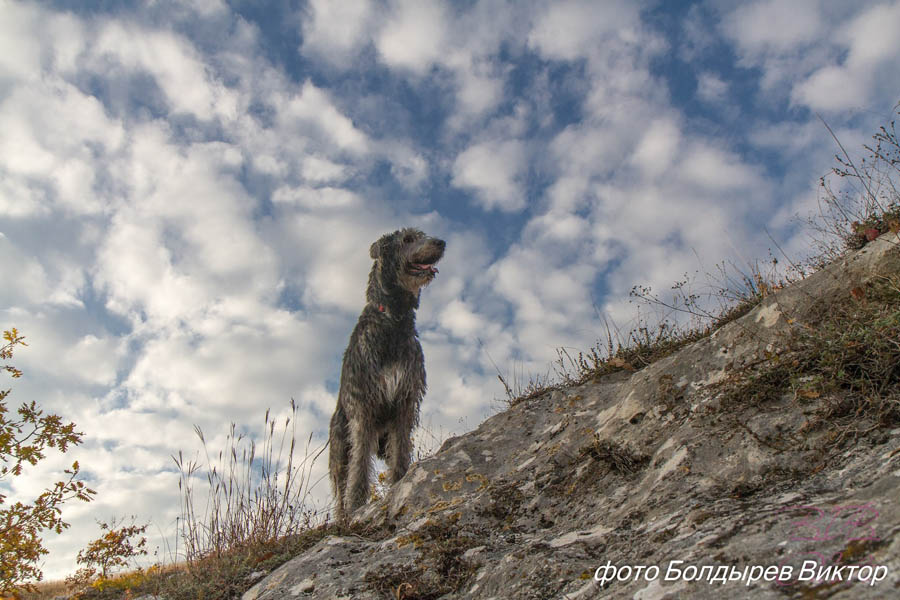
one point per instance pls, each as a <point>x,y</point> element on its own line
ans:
<point>383,245</point>
<point>375,250</point>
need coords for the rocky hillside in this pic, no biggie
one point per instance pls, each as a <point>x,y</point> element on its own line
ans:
<point>726,468</point>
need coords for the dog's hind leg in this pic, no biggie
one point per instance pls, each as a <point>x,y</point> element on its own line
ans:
<point>362,447</point>
<point>338,459</point>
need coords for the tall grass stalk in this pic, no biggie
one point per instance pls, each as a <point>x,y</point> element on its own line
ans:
<point>255,495</point>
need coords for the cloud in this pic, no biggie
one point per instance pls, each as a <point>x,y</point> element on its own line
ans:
<point>824,56</point>
<point>316,198</point>
<point>311,113</point>
<point>765,26</point>
<point>408,167</point>
<point>715,170</point>
<point>461,321</point>
<point>19,198</point>
<point>586,150</point>
<point>335,31</point>
<point>572,29</point>
<point>872,49</point>
<point>31,285</point>
<point>658,148</point>
<point>215,369</point>
<point>322,170</point>
<point>81,362</point>
<point>175,65</point>
<point>49,161</point>
<point>786,46</point>
<point>185,240</point>
<point>413,37</point>
<point>479,86</point>
<point>493,170</point>
<point>421,39</point>
<point>711,88</point>
<point>330,269</point>
<point>20,54</point>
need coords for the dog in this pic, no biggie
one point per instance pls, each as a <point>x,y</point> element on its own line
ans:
<point>383,370</point>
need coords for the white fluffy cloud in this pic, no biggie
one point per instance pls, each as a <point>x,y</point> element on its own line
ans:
<point>766,25</point>
<point>575,28</point>
<point>312,113</point>
<point>872,49</point>
<point>49,161</point>
<point>174,63</point>
<point>335,31</point>
<point>659,147</point>
<point>494,171</point>
<point>414,35</point>
<point>830,56</point>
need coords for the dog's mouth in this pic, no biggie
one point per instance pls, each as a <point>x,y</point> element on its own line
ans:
<point>423,269</point>
<point>421,263</point>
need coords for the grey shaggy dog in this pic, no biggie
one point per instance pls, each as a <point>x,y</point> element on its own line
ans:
<point>383,373</point>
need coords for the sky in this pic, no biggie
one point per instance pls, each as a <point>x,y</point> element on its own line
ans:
<point>188,192</point>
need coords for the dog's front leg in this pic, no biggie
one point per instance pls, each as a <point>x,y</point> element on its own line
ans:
<point>399,450</point>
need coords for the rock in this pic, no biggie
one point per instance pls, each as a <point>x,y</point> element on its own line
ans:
<point>633,473</point>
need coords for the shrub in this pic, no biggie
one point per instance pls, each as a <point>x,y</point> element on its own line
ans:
<point>112,550</point>
<point>24,437</point>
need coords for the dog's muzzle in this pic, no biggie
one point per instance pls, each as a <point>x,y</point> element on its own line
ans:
<point>422,261</point>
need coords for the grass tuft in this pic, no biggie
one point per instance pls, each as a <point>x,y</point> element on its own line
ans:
<point>862,200</point>
<point>617,457</point>
<point>845,363</point>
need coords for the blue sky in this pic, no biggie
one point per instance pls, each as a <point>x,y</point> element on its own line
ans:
<point>188,191</point>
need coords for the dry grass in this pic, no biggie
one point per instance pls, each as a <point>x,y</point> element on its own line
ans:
<point>862,198</point>
<point>252,515</point>
<point>44,590</point>
<point>653,339</point>
<point>252,498</point>
<point>844,365</point>
<point>256,512</point>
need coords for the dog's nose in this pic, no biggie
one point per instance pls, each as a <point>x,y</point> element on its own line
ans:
<point>440,244</point>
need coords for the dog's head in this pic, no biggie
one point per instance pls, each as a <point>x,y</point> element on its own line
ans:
<point>409,256</point>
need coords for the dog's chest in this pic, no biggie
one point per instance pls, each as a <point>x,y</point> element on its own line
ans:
<point>392,378</point>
